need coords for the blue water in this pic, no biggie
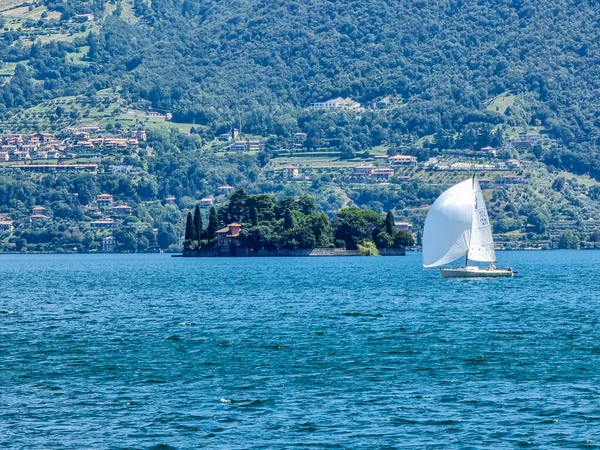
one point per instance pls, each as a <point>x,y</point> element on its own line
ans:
<point>148,351</point>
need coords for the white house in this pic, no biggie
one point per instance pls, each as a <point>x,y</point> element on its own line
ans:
<point>225,190</point>
<point>336,103</point>
<point>6,225</point>
<point>402,160</point>
<point>404,226</point>
<point>207,202</point>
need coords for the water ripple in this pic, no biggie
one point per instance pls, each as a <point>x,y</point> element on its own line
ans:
<point>147,351</point>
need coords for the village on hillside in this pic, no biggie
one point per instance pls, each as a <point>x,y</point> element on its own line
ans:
<point>70,143</point>
<point>47,152</point>
<point>92,149</point>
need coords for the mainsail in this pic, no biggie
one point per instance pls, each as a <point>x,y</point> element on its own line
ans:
<point>457,225</point>
<point>482,243</point>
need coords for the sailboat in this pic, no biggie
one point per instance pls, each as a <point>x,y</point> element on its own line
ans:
<point>457,225</point>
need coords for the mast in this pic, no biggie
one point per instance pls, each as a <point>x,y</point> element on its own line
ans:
<point>471,237</point>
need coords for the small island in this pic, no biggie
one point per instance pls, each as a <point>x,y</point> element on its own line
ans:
<point>262,225</point>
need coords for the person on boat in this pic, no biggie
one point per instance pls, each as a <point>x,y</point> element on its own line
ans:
<point>492,266</point>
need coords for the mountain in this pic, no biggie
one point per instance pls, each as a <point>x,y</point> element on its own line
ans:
<point>267,60</point>
<point>439,78</point>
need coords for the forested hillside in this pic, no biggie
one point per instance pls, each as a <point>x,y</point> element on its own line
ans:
<point>437,79</point>
<point>264,61</point>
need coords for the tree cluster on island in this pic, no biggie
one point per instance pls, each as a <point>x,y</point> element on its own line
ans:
<point>270,224</point>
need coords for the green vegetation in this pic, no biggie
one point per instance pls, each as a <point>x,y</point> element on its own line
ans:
<point>501,103</point>
<point>425,72</point>
<point>189,231</point>
<point>170,164</point>
<point>368,249</point>
<point>270,224</point>
<point>434,80</point>
<point>568,240</point>
<point>197,230</point>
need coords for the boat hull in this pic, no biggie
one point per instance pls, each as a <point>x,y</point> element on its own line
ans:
<point>476,272</point>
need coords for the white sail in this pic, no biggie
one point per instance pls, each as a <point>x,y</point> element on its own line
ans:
<point>481,247</point>
<point>447,232</point>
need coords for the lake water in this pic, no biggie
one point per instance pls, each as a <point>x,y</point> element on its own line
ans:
<point>149,351</point>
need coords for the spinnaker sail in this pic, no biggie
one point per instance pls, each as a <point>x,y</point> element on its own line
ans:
<point>457,225</point>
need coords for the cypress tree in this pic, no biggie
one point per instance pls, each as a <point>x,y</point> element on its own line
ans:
<point>197,224</point>
<point>253,216</point>
<point>236,207</point>
<point>189,230</point>
<point>390,225</point>
<point>288,220</point>
<point>213,224</point>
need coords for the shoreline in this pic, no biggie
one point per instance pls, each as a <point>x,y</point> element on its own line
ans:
<point>180,255</point>
<point>240,252</point>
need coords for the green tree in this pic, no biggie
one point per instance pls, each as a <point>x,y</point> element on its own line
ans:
<point>403,239</point>
<point>558,184</point>
<point>288,220</point>
<point>92,41</point>
<point>538,220</point>
<point>384,240</point>
<point>264,204</point>
<point>306,204</point>
<point>166,235</point>
<point>299,237</point>
<point>319,223</point>
<point>236,208</point>
<point>367,249</point>
<point>253,216</point>
<point>197,225</point>
<point>256,237</point>
<point>126,239</point>
<point>89,242</point>
<point>164,239</point>
<point>568,240</point>
<point>189,231</point>
<point>354,226</point>
<point>504,224</point>
<point>142,243</point>
<point>213,224</point>
<point>20,244</point>
<point>390,224</point>
<point>285,204</point>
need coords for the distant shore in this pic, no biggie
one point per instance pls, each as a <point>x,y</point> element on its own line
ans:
<point>280,253</point>
<point>314,252</point>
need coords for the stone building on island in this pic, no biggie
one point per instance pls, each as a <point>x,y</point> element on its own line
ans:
<point>228,239</point>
